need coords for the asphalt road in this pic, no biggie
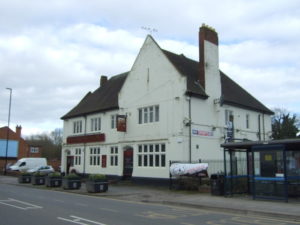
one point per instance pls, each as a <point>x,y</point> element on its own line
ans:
<point>21,205</point>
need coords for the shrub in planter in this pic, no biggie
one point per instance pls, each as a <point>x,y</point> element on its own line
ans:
<point>38,178</point>
<point>24,178</point>
<point>54,180</point>
<point>71,181</point>
<point>96,183</point>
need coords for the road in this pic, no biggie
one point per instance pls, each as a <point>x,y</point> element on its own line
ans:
<point>21,205</point>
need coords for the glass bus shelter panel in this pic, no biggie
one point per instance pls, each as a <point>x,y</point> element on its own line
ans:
<point>293,172</point>
<point>236,172</point>
<point>269,179</point>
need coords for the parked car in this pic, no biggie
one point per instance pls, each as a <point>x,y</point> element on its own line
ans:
<point>42,169</point>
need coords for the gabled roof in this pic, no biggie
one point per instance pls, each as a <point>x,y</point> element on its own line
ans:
<point>106,98</point>
<point>103,99</point>
<point>232,93</point>
<point>190,69</point>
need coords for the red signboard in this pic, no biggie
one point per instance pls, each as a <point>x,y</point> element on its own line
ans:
<point>86,138</point>
<point>121,123</point>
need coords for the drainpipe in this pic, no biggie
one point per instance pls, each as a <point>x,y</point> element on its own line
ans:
<point>190,129</point>
<point>259,129</point>
<point>84,145</point>
<point>264,131</point>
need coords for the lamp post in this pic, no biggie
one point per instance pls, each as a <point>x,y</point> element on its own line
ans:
<point>7,133</point>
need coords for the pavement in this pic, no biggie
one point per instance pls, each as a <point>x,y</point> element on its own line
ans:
<point>241,204</point>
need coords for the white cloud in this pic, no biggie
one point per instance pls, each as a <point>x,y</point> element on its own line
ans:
<point>53,54</point>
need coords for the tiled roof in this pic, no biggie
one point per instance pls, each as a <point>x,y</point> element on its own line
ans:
<point>106,97</point>
<point>190,69</point>
<point>103,99</point>
<point>232,93</point>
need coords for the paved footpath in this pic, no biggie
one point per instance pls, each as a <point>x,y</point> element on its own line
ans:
<point>237,205</point>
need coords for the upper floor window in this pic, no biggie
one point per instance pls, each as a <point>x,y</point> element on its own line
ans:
<point>149,114</point>
<point>34,149</point>
<point>77,127</point>
<point>247,121</point>
<point>113,121</point>
<point>96,124</point>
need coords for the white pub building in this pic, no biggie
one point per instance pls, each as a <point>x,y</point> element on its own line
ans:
<point>166,108</point>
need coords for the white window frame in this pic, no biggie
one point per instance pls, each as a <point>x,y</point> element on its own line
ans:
<point>77,126</point>
<point>152,155</point>
<point>96,124</point>
<point>77,156</point>
<point>114,156</point>
<point>95,156</point>
<point>34,149</point>
<point>113,121</point>
<point>149,114</point>
<point>247,121</point>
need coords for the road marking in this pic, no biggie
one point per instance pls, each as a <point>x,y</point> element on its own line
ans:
<point>109,210</point>
<point>79,220</point>
<point>81,204</point>
<point>19,204</point>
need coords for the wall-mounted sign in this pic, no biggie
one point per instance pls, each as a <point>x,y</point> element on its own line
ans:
<point>202,133</point>
<point>121,123</point>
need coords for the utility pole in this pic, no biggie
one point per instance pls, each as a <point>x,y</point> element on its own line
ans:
<point>7,133</point>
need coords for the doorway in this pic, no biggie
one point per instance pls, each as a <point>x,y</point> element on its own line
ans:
<point>128,163</point>
<point>70,162</point>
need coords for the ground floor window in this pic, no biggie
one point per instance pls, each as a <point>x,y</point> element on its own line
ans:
<point>77,157</point>
<point>114,156</point>
<point>95,156</point>
<point>152,155</point>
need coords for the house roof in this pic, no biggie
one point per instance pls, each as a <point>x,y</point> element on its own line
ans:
<point>232,93</point>
<point>190,69</point>
<point>106,97</point>
<point>102,99</point>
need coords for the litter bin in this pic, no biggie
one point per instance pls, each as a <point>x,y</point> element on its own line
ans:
<point>217,184</point>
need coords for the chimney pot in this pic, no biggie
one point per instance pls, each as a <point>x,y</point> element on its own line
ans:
<point>103,80</point>
<point>18,131</point>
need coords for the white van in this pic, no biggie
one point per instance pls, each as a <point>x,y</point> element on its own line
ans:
<point>25,164</point>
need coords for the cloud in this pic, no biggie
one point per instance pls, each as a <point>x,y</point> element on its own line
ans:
<point>53,54</point>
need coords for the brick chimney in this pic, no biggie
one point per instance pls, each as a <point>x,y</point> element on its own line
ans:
<point>103,80</point>
<point>18,131</point>
<point>208,52</point>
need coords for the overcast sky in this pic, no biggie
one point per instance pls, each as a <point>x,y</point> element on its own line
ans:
<point>53,52</point>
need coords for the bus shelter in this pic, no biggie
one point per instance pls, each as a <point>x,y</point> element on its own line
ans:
<point>264,169</point>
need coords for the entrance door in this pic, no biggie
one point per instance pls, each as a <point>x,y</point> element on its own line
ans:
<point>70,162</point>
<point>128,163</point>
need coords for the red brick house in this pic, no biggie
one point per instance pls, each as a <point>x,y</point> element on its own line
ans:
<point>17,147</point>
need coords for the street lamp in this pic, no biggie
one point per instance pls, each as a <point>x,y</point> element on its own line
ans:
<point>7,133</point>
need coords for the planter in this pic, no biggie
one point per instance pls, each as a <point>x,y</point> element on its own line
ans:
<point>53,181</point>
<point>38,180</point>
<point>96,186</point>
<point>71,184</point>
<point>24,178</point>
